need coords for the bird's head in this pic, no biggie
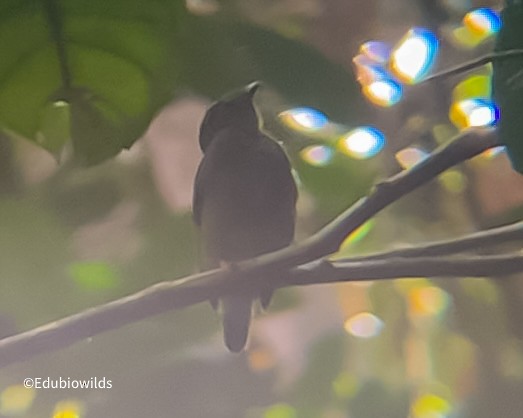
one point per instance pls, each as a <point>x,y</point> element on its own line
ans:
<point>236,112</point>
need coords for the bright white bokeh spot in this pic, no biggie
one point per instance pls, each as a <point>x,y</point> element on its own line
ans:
<point>304,119</point>
<point>482,116</point>
<point>474,113</point>
<point>385,92</point>
<point>317,155</point>
<point>363,142</point>
<point>364,325</point>
<point>414,56</point>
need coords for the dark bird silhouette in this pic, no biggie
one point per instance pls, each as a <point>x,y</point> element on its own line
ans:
<point>244,199</point>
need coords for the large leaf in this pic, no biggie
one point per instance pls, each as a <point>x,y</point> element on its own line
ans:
<point>97,71</point>
<point>111,63</point>
<point>508,82</point>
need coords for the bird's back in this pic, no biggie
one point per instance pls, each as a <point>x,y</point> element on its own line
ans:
<point>248,205</point>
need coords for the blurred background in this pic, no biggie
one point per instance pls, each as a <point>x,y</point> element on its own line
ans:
<point>73,237</point>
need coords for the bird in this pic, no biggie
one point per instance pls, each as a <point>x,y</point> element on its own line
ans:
<point>244,200</point>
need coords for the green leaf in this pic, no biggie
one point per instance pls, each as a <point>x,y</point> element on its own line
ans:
<point>55,127</point>
<point>113,62</point>
<point>94,275</point>
<point>116,63</point>
<point>507,82</point>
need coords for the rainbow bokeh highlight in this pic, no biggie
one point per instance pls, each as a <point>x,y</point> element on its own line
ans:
<point>362,143</point>
<point>364,325</point>
<point>317,155</point>
<point>304,119</point>
<point>428,301</point>
<point>472,104</point>
<point>477,26</point>
<point>414,55</point>
<point>483,21</point>
<point>474,113</point>
<point>385,92</point>
<point>381,70</point>
<point>376,51</point>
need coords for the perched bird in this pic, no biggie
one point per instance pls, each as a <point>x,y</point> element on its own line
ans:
<point>244,199</point>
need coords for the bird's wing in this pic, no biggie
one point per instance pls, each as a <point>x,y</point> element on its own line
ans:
<point>280,167</point>
<point>198,193</point>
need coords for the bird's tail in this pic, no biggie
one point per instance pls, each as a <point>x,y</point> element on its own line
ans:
<point>236,319</point>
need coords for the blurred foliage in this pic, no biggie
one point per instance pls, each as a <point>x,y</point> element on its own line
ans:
<point>508,82</point>
<point>98,73</point>
<point>72,238</point>
<point>111,65</point>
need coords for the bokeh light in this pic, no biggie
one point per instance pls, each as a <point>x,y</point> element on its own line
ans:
<point>280,410</point>
<point>16,400</point>
<point>345,385</point>
<point>475,86</point>
<point>385,92</point>
<point>428,301</point>
<point>317,155</point>
<point>453,181</point>
<point>483,21</point>
<point>430,406</point>
<point>494,152</point>
<point>410,156</point>
<point>364,325</point>
<point>363,142</point>
<point>358,234</point>
<point>414,55</point>
<point>69,409</point>
<point>94,275</point>
<point>376,51</point>
<point>368,71</point>
<point>261,359</point>
<point>473,113</point>
<point>477,26</point>
<point>304,119</point>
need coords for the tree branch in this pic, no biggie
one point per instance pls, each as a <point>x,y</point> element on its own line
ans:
<point>327,241</point>
<point>472,242</point>
<point>347,270</point>
<point>198,288</point>
<point>472,65</point>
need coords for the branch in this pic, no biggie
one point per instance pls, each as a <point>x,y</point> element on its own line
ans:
<point>347,270</point>
<point>327,241</point>
<point>472,242</point>
<point>198,288</point>
<point>472,65</point>
<point>194,289</point>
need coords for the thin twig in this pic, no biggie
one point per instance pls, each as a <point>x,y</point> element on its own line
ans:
<point>472,65</point>
<point>198,288</point>
<point>472,242</point>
